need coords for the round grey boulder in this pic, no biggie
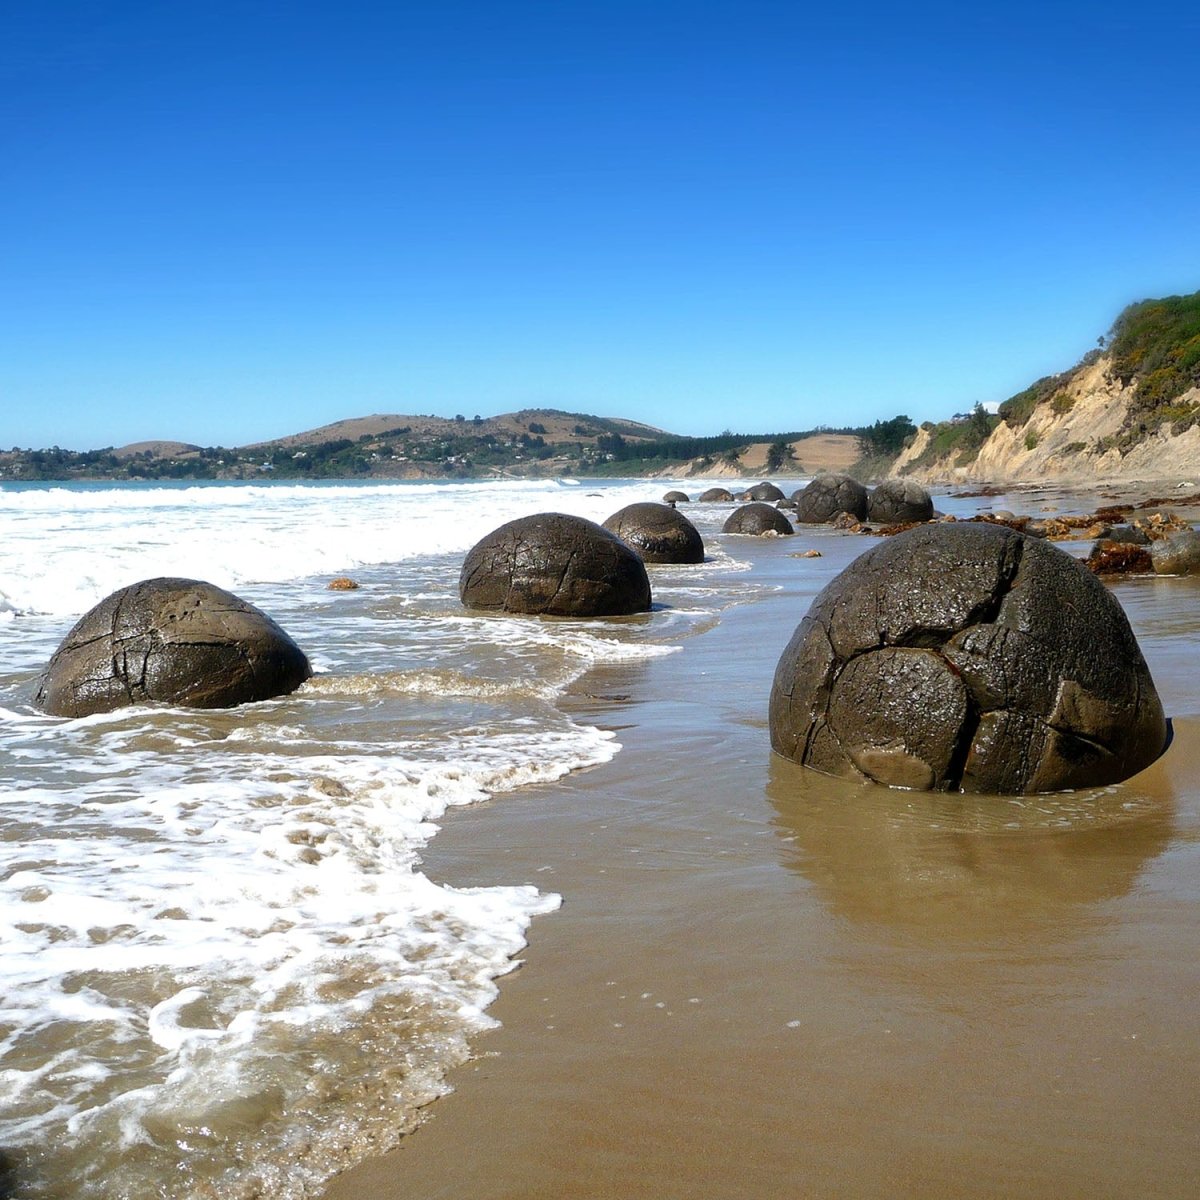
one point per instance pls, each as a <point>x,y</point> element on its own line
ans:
<point>557,565</point>
<point>967,657</point>
<point>896,501</point>
<point>659,533</point>
<point>676,498</point>
<point>716,495</point>
<point>827,495</point>
<point>1178,554</point>
<point>757,519</point>
<point>765,491</point>
<point>170,641</point>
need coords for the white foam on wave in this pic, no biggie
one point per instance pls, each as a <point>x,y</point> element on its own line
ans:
<point>186,913</point>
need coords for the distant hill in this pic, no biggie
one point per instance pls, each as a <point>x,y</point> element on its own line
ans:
<point>554,425</point>
<point>532,441</point>
<point>155,450</point>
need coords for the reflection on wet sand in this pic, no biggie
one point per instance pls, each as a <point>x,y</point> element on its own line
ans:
<point>949,867</point>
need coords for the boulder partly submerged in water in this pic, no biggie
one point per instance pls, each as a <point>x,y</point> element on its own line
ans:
<point>758,520</point>
<point>827,495</point>
<point>896,501</point>
<point>658,532</point>
<point>1178,554</point>
<point>170,641</point>
<point>716,495</point>
<point>557,565</point>
<point>765,491</point>
<point>967,657</point>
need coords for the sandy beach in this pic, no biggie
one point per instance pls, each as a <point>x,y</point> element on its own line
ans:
<point>765,983</point>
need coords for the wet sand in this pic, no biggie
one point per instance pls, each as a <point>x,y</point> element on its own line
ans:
<point>764,983</point>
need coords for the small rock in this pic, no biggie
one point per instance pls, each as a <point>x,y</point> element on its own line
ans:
<point>343,583</point>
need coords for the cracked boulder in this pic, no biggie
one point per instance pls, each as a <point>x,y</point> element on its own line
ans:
<point>764,491</point>
<point>658,532</point>
<point>967,657</point>
<point>557,565</point>
<point>758,520</point>
<point>827,495</point>
<point>716,495</point>
<point>896,501</point>
<point>170,641</point>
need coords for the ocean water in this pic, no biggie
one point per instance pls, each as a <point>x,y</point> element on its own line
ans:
<point>226,974</point>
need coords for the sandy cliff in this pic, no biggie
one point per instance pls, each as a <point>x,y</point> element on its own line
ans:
<point>1069,438</point>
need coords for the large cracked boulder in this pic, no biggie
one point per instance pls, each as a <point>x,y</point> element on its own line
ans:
<point>170,641</point>
<point>658,532</point>
<point>757,520</point>
<point>827,495</point>
<point>967,657</point>
<point>557,565</point>
<point>896,501</point>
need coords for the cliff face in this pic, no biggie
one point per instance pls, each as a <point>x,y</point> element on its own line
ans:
<point>1080,433</point>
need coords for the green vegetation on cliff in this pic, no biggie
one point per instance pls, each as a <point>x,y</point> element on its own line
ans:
<point>959,439</point>
<point>1155,345</point>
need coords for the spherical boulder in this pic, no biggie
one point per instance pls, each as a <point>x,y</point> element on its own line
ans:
<point>557,565</point>
<point>827,495</point>
<point>1178,554</point>
<point>967,657</point>
<point>716,495</point>
<point>659,533</point>
<point>170,641</point>
<point>898,500</point>
<point>757,519</point>
<point>676,498</point>
<point>765,491</point>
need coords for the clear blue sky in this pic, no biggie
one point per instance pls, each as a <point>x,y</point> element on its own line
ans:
<point>225,222</point>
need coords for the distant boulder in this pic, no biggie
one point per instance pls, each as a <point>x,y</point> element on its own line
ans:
<point>554,564</point>
<point>896,501</point>
<point>765,491</point>
<point>827,495</point>
<point>967,657</point>
<point>676,498</point>
<point>757,520</point>
<point>1178,554</point>
<point>170,641</point>
<point>659,533</point>
<point>716,495</point>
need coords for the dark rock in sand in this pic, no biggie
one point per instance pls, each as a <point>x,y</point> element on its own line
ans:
<point>757,519</point>
<point>170,641</point>
<point>659,533</point>
<point>898,501</point>
<point>1178,554</point>
<point>764,491</point>
<point>716,496</point>
<point>554,564</point>
<point>967,657</point>
<point>830,494</point>
<point>676,498</point>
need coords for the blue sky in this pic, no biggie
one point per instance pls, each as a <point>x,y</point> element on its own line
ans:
<point>227,222</point>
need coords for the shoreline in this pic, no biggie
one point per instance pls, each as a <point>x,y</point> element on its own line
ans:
<point>766,983</point>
